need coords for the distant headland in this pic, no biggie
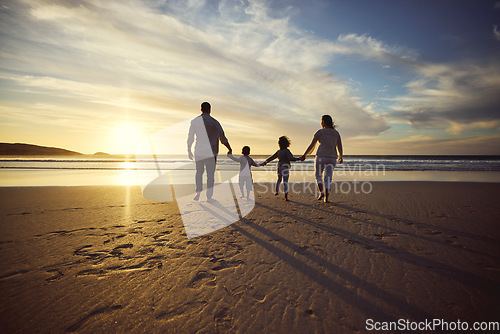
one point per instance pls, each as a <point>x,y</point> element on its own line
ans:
<point>29,149</point>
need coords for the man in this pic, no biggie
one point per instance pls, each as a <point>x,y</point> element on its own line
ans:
<point>207,132</point>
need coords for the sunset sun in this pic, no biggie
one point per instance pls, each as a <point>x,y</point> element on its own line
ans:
<point>125,137</point>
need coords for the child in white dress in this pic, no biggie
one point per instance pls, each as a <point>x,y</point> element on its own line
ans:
<point>245,177</point>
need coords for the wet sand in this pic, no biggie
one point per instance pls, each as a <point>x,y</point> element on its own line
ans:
<point>105,259</point>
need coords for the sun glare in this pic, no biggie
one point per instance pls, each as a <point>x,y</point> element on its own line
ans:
<point>126,137</point>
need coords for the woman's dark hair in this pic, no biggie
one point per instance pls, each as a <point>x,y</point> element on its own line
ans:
<point>245,150</point>
<point>327,119</point>
<point>284,142</point>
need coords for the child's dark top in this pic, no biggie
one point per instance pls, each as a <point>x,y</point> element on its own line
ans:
<point>284,157</point>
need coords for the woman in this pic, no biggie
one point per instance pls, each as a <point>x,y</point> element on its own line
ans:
<point>326,156</point>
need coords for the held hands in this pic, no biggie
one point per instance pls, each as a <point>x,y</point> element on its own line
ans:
<point>302,158</point>
<point>263,164</point>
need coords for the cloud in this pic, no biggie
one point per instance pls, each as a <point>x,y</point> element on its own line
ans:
<point>159,60</point>
<point>496,33</point>
<point>457,128</point>
<point>450,96</point>
<point>154,62</point>
<point>429,145</point>
<point>373,49</point>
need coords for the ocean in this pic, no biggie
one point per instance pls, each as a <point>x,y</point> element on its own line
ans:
<point>121,170</point>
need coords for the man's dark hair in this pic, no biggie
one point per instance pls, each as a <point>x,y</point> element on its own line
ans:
<point>205,107</point>
<point>245,150</point>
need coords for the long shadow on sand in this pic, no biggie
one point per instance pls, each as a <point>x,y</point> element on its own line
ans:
<point>418,224</point>
<point>439,268</point>
<point>449,232</point>
<point>361,303</point>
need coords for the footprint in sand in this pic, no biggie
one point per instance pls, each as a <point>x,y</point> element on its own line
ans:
<point>85,251</point>
<point>203,278</point>
<point>124,246</point>
<point>368,247</point>
<point>74,327</point>
<point>56,274</point>
<point>384,235</point>
<point>79,251</point>
<point>136,230</point>
<point>90,272</point>
<point>310,313</point>
<point>180,309</point>
<point>227,264</point>
<point>432,232</point>
<point>13,274</point>
<point>302,249</point>
<point>117,250</point>
<point>146,250</point>
<point>223,319</point>
<point>161,236</point>
<point>19,214</point>
<point>351,242</point>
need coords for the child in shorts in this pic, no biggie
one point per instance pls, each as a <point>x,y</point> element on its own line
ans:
<point>285,157</point>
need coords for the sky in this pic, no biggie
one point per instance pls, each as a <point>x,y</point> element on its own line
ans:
<point>397,76</point>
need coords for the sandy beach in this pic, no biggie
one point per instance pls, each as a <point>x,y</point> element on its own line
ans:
<point>105,259</point>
